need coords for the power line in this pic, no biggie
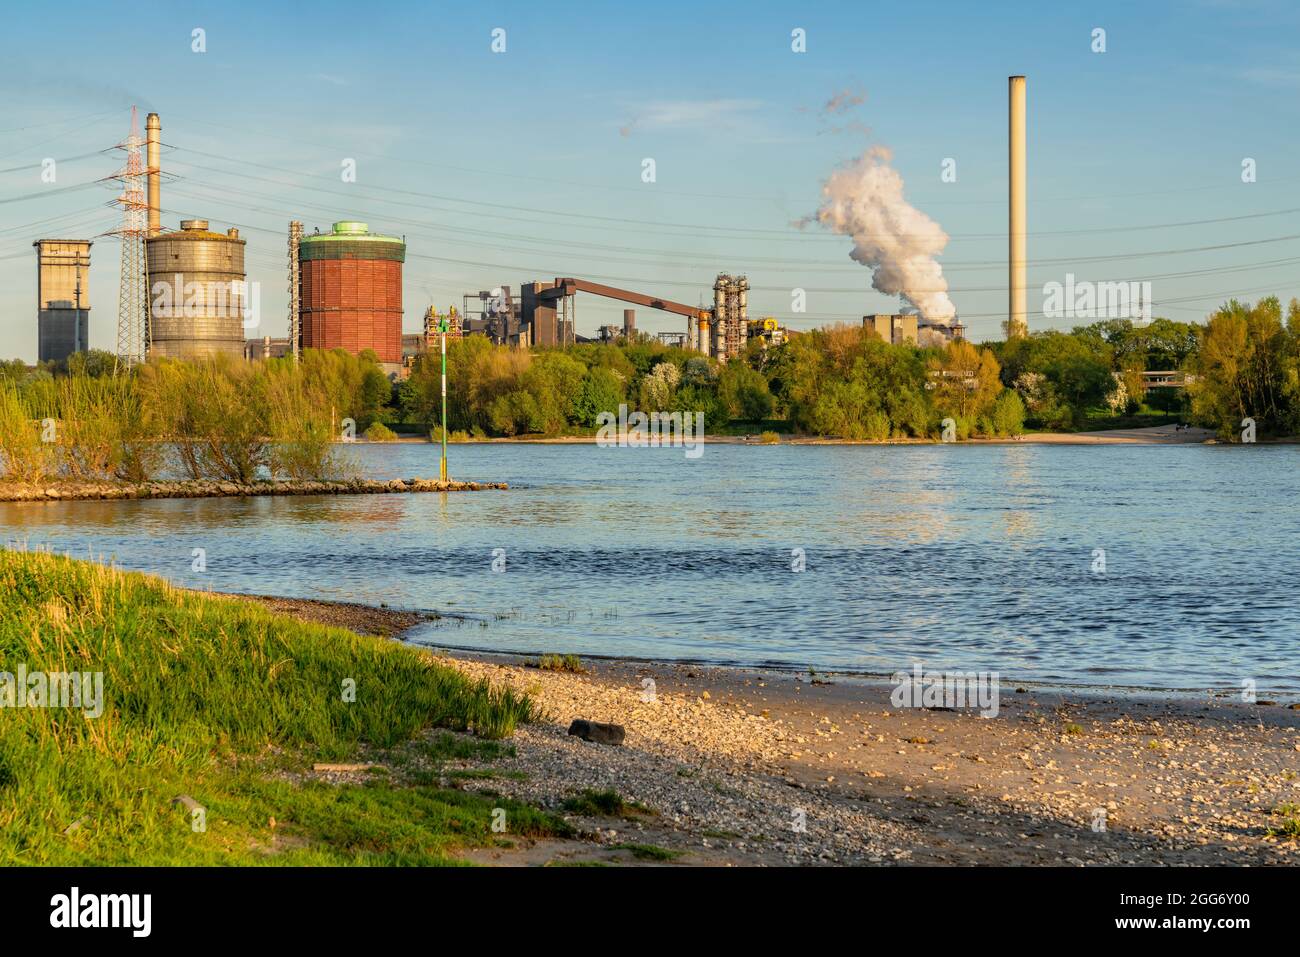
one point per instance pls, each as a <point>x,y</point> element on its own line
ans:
<point>69,159</point>
<point>75,119</point>
<point>298,143</point>
<point>821,266</point>
<point>787,234</point>
<point>45,193</point>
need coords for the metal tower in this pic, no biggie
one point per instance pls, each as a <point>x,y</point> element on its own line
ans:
<point>133,293</point>
<point>295,303</point>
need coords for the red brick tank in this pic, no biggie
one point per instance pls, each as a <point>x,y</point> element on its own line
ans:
<point>351,291</point>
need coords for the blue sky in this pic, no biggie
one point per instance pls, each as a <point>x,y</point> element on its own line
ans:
<point>507,167</point>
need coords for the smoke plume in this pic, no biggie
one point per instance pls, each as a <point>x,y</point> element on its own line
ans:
<point>864,200</point>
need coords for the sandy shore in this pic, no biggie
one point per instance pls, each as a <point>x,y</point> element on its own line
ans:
<point>751,767</point>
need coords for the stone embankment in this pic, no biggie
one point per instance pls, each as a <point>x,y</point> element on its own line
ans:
<point>81,491</point>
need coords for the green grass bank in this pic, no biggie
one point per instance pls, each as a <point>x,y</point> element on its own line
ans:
<point>230,705</point>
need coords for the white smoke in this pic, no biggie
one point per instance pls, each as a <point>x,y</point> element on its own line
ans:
<point>864,200</point>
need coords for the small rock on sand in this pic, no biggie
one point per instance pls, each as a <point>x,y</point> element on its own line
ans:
<point>597,732</point>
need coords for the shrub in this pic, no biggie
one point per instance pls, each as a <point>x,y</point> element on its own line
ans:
<point>378,432</point>
<point>1008,414</point>
<point>23,456</point>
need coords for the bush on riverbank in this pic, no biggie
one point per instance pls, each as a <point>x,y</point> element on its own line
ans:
<point>221,700</point>
<point>435,436</point>
<point>213,419</point>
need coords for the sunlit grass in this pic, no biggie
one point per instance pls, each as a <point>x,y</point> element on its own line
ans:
<point>229,703</point>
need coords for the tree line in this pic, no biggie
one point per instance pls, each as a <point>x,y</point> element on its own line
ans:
<point>841,381</point>
<point>232,420</point>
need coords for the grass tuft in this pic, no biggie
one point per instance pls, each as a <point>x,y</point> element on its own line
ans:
<point>648,852</point>
<point>1289,829</point>
<point>608,803</point>
<point>569,663</point>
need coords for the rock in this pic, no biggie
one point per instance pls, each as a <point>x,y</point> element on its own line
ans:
<point>597,732</point>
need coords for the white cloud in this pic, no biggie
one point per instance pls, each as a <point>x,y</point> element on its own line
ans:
<point>1271,76</point>
<point>691,114</point>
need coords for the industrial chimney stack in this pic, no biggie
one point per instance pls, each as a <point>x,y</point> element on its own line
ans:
<point>1017,325</point>
<point>153,159</point>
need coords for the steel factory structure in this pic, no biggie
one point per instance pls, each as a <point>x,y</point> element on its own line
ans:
<point>185,292</point>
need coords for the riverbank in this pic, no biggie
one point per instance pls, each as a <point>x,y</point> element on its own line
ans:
<point>1154,435</point>
<point>726,764</point>
<point>82,491</point>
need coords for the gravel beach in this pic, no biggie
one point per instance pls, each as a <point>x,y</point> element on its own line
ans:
<point>727,766</point>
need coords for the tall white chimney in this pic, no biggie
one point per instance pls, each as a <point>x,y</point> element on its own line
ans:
<point>1017,284</point>
<point>153,156</point>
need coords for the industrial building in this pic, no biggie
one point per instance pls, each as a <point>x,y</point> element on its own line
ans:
<point>730,320</point>
<point>627,332</point>
<point>545,314</point>
<point>62,288</point>
<point>197,292</point>
<point>548,312</point>
<point>768,332</point>
<point>351,292</point>
<point>432,326</point>
<point>494,313</point>
<point>266,348</point>
<point>909,327</point>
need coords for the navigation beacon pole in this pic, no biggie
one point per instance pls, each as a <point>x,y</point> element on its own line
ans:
<point>442,327</point>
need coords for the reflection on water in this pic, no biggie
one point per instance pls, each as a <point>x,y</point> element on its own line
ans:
<point>970,556</point>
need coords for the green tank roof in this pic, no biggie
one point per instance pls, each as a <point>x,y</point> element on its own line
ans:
<point>351,240</point>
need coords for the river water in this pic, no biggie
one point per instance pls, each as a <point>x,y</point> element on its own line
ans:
<point>984,557</point>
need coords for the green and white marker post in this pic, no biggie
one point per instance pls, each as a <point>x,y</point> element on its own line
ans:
<point>443,326</point>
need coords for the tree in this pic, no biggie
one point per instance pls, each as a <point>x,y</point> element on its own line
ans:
<point>554,379</point>
<point>965,380</point>
<point>1245,367</point>
<point>744,393</point>
<point>1076,371</point>
<point>1007,417</point>
<point>659,387</point>
<point>602,391</point>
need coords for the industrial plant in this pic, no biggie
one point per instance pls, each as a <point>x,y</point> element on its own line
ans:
<point>185,292</point>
